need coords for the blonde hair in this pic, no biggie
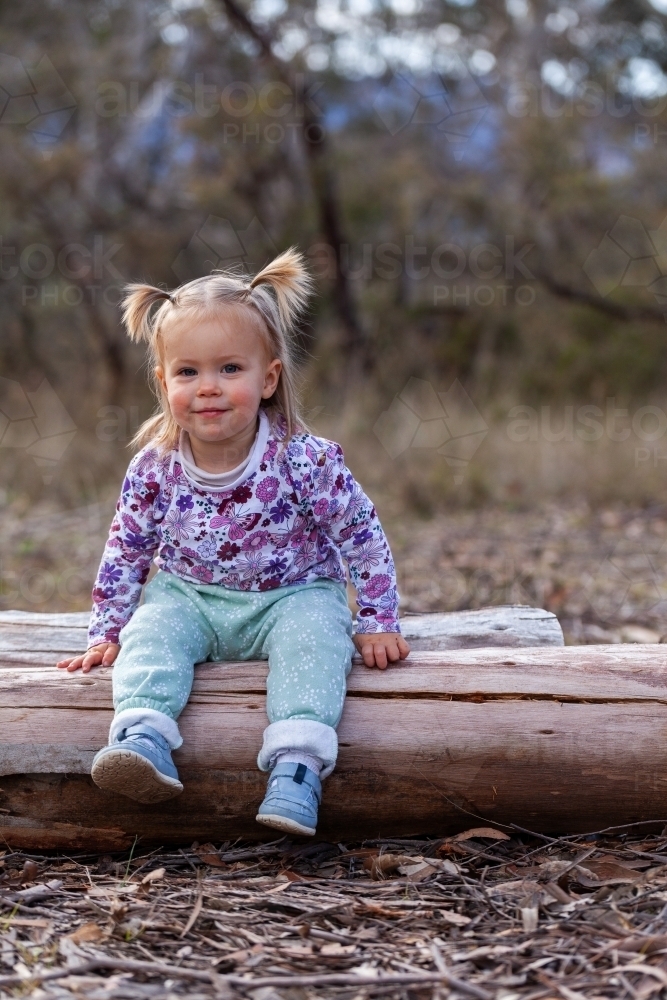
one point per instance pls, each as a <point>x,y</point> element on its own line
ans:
<point>275,297</point>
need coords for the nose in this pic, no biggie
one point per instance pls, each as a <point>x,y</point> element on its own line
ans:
<point>209,385</point>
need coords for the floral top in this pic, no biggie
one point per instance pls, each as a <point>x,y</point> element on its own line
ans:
<point>294,518</point>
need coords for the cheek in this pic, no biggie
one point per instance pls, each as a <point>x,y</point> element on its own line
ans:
<point>245,395</point>
<point>179,397</point>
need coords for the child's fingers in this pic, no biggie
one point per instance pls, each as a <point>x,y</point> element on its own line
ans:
<point>110,656</point>
<point>367,653</point>
<point>403,648</point>
<point>62,664</point>
<point>393,649</point>
<point>73,664</point>
<point>91,659</point>
<point>380,651</point>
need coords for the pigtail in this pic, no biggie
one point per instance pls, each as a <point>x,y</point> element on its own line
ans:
<point>137,306</point>
<point>291,284</point>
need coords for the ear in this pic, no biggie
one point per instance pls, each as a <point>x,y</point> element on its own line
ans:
<point>271,377</point>
<point>159,375</point>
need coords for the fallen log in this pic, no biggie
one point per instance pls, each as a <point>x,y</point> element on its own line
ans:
<point>552,738</point>
<point>29,638</point>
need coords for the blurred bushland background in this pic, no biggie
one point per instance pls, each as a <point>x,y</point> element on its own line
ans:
<point>480,189</point>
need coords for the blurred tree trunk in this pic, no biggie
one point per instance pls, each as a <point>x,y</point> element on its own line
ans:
<point>323,183</point>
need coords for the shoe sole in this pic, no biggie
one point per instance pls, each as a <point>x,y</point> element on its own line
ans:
<point>284,824</point>
<point>133,776</point>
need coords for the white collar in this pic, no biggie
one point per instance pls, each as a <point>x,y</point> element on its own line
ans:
<point>217,481</point>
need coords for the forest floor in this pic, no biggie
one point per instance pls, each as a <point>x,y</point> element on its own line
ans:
<point>489,914</point>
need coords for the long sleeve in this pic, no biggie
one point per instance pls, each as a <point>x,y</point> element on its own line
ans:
<point>334,500</point>
<point>127,555</point>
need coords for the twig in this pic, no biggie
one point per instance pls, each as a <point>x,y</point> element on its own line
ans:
<point>326,979</point>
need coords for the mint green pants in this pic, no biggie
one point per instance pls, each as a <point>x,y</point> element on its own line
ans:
<point>304,631</point>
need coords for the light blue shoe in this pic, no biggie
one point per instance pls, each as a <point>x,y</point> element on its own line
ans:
<point>292,796</point>
<point>137,764</point>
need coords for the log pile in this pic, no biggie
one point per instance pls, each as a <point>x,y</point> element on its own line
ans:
<point>546,736</point>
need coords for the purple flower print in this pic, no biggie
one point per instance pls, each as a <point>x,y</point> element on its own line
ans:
<point>321,507</point>
<point>181,568</point>
<point>109,574</point>
<point>241,494</point>
<point>136,541</point>
<point>387,618</point>
<point>280,512</point>
<point>207,549</point>
<point>257,540</point>
<point>305,555</point>
<point>377,585</point>
<point>251,564</point>
<point>326,479</point>
<point>103,594</point>
<point>203,574</point>
<point>277,565</point>
<point>369,554</point>
<point>146,501</point>
<point>270,583</point>
<point>228,551</point>
<point>237,523</point>
<point>363,536</point>
<point>338,485</point>
<point>185,503</point>
<point>389,600</point>
<point>145,463</point>
<point>181,523</point>
<point>138,574</point>
<point>267,490</point>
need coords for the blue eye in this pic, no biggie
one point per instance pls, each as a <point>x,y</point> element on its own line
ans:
<point>231,369</point>
<point>188,372</point>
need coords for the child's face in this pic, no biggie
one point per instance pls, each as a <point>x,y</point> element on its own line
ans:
<point>215,372</point>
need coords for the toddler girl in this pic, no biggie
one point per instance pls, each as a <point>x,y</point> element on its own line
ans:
<point>248,518</point>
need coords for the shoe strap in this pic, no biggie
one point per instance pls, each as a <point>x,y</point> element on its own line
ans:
<point>301,775</point>
<point>147,732</point>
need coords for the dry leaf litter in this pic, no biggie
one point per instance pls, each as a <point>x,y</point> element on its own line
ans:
<point>493,914</point>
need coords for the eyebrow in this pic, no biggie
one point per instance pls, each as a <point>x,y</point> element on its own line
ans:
<point>232,358</point>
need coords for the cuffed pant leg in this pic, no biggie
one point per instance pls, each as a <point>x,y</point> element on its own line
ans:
<point>310,651</point>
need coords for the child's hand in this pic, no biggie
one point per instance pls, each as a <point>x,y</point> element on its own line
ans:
<point>380,648</point>
<point>103,654</point>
